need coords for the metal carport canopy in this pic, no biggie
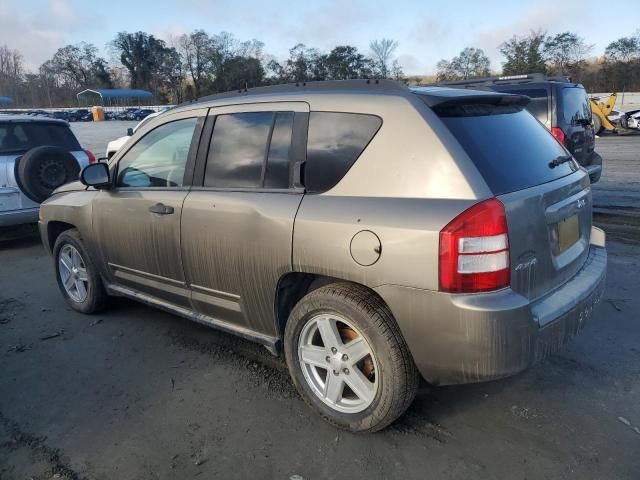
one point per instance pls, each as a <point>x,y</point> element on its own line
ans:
<point>117,93</point>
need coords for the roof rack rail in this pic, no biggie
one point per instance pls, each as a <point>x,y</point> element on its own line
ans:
<point>506,79</point>
<point>357,84</point>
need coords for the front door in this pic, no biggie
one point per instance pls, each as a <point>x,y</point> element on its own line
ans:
<point>237,222</point>
<point>137,222</point>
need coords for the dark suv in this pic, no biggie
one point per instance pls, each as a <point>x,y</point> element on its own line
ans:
<point>561,105</point>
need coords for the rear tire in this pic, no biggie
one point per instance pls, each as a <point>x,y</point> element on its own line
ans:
<point>78,278</point>
<point>376,385</point>
<point>597,124</point>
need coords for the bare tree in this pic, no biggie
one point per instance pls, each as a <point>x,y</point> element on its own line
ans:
<point>196,53</point>
<point>382,52</point>
<point>472,62</point>
<point>566,52</point>
<point>624,49</point>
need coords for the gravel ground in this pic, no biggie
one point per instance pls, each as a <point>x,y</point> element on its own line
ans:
<point>135,393</point>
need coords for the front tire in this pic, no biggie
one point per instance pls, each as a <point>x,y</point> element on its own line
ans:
<point>78,278</point>
<point>348,359</point>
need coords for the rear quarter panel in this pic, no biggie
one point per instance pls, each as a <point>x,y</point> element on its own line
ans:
<point>408,230</point>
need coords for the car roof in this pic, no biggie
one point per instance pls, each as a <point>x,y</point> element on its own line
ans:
<point>302,91</point>
<point>15,118</point>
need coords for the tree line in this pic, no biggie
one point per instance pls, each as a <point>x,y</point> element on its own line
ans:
<point>199,63</point>
<point>183,68</point>
<point>563,54</point>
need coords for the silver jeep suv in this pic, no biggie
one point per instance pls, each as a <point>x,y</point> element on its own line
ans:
<point>371,232</point>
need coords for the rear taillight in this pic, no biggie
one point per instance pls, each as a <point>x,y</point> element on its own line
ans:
<point>559,134</point>
<point>474,250</point>
<point>91,156</point>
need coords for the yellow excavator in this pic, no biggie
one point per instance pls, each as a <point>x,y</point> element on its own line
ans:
<point>601,108</point>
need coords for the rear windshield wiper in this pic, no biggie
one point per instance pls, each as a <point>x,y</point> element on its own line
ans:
<point>556,162</point>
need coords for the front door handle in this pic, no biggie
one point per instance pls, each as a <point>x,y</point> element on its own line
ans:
<point>161,209</point>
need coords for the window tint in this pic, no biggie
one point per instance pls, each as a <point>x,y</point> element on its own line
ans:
<point>277,172</point>
<point>237,150</point>
<point>159,158</point>
<point>575,106</point>
<point>539,105</point>
<point>335,142</point>
<point>25,136</point>
<point>511,150</point>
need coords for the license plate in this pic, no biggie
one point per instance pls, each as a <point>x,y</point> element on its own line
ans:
<point>568,232</point>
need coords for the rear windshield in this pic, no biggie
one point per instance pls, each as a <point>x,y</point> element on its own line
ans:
<point>16,137</point>
<point>575,106</point>
<point>509,147</point>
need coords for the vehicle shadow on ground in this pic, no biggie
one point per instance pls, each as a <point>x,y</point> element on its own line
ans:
<point>11,240</point>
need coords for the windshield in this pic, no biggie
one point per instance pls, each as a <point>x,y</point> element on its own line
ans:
<point>511,150</point>
<point>15,136</point>
<point>575,106</point>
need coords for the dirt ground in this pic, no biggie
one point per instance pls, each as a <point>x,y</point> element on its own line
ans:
<point>135,393</point>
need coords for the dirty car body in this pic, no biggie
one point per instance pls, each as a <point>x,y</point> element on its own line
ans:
<point>240,246</point>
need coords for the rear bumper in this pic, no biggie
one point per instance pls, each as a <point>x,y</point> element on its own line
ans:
<point>18,217</point>
<point>594,169</point>
<point>472,338</point>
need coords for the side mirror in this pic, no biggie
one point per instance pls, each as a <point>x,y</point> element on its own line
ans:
<point>130,131</point>
<point>96,175</point>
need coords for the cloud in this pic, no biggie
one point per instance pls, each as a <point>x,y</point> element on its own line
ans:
<point>39,34</point>
<point>548,16</point>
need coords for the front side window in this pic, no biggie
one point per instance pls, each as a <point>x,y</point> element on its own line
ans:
<point>250,150</point>
<point>335,142</point>
<point>159,158</point>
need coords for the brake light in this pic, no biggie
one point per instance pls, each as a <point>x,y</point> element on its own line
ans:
<point>92,157</point>
<point>474,250</point>
<point>559,134</point>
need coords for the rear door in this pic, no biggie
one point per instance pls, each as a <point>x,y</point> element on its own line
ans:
<point>573,117</point>
<point>237,222</point>
<point>137,222</point>
<point>548,204</point>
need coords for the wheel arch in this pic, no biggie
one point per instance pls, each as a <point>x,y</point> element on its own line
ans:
<point>54,229</point>
<point>293,286</point>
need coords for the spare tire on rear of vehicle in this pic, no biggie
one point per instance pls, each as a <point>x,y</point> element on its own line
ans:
<point>43,169</point>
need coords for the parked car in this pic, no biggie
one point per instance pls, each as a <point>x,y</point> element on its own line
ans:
<point>45,153</point>
<point>561,105</point>
<point>140,114</point>
<point>369,231</point>
<point>124,114</point>
<point>630,120</point>
<point>114,145</point>
<point>60,115</point>
<point>80,115</point>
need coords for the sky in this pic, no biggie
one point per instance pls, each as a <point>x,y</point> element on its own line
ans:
<point>426,31</point>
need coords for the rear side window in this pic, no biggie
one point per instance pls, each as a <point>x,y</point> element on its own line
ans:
<point>27,135</point>
<point>575,106</point>
<point>539,104</point>
<point>508,146</point>
<point>250,150</point>
<point>335,141</point>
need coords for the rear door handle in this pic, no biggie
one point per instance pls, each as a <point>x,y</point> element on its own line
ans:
<point>161,209</point>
